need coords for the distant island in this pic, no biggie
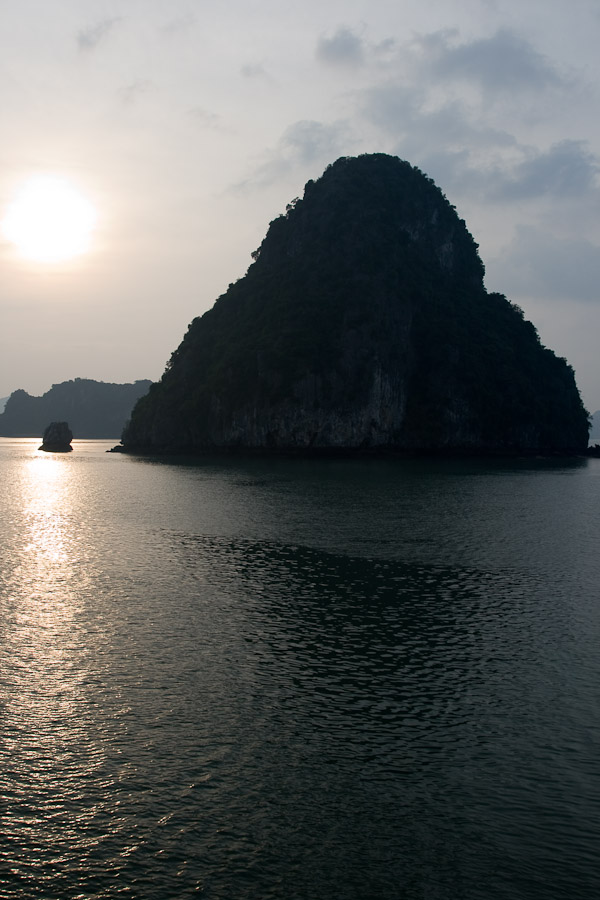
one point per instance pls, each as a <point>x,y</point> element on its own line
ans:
<point>363,326</point>
<point>57,438</point>
<point>93,409</point>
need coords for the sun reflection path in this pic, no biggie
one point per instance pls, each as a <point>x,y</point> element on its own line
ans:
<point>47,654</point>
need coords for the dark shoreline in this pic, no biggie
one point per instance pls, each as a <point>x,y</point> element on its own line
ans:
<point>355,453</point>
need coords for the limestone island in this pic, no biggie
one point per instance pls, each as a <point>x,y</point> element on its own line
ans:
<point>57,438</point>
<point>363,326</point>
<point>94,409</point>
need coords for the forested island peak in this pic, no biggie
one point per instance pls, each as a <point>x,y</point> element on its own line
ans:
<point>363,325</point>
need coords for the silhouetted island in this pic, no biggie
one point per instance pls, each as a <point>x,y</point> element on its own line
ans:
<point>363,325</point>
<point>94,409</point>
<point>57,438</point>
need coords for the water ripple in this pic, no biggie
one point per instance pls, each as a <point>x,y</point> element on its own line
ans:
<point>221,700</point>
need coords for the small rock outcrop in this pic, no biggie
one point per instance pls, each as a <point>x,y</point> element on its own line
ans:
<point>57,438</point>
<point>363,326</point>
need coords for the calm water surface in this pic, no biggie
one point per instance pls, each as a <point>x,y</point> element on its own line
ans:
<point>331,680</point>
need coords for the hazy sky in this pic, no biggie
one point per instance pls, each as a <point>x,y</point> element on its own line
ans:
<point>189,125</point>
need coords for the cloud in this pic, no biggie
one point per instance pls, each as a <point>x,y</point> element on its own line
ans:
<point>438,89</point>
<point>501,63</point>
<point>405,111</point>
<point>306,143</point>
<point>89,38</point>
<point>179,24</point>
<point>458,108</point>
<point>131,93</point>
<point>456,148</point>
<point>205,118</point>
<point>505,171</point>
<point>433,103</point>
<point>253,70</point>
<point>345,48</point>
<point>384,49</point>
<point>539,265</point>
<point>567,169</point>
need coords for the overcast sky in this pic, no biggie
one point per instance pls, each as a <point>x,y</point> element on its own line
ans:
<point>189,124</point>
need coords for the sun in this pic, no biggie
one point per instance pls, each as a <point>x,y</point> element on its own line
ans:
<point>49,221</point>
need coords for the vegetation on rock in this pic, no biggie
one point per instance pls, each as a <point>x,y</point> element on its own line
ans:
<point>363,324</point>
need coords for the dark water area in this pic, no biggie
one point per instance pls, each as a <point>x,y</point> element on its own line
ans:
<point>341,679</point>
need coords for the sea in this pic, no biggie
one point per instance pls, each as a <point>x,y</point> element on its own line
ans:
<point>298,679</point>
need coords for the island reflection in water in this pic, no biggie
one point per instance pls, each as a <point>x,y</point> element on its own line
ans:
<point>272,680</point>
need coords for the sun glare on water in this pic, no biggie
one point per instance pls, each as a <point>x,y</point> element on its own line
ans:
<point>49,221</point>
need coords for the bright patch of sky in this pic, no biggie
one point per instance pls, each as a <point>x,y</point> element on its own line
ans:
<point>191,125</point>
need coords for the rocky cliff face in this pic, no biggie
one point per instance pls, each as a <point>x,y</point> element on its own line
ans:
<point>363,325</point>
